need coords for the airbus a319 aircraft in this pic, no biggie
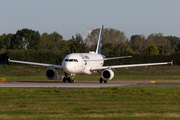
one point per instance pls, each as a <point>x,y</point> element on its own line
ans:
<point>86,64</point>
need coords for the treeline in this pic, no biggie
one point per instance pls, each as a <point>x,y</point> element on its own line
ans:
<point>29,45</point>
<point>137,43</point>
<point>51,58</point>
<point>27,39</point>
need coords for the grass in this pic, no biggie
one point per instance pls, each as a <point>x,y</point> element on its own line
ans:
<point>126,103</point>
<point>167,72</point>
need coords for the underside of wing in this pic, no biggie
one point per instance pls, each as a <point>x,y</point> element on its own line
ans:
<point>39,64</point>
<point>133,65</point>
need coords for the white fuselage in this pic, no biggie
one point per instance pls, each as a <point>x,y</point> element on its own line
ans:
<point>81,63</point>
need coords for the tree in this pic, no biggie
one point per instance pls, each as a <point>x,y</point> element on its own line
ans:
<point>122,47</point>
<point>178,47</point>
<point>157,39</point>
<point>9,38</point>
<point>2,41</point>
<point>173,42</point>
<point>77,45</point>
<point>113,36</point>
<point>164,49</point>
<point>110,35</point>
<point>45,43</point>
<point>138,43</point>
<point>107,47</point>
<point>30,39</point>
<point>16,43</point>
<point>151,49</point>
<point>6,41</point>
<point>53,43</point>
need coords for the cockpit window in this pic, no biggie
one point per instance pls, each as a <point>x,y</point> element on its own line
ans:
<point>75,60</point>
<point>71,60</point>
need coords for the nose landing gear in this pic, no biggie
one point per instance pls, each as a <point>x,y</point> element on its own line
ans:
<point>73,80</point>
<point>68,79</point>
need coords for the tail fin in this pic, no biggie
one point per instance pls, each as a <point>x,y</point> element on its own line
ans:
<point>99,45</point>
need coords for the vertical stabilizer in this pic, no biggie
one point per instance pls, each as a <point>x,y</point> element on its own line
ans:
<point>99,45</point>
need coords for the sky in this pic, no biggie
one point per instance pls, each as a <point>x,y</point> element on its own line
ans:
<point>68,17</point>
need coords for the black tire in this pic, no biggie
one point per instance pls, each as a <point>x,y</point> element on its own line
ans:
<point>105,81</point>
<point>69,79</point>
<point>101,80</point>
<point>64,79</point>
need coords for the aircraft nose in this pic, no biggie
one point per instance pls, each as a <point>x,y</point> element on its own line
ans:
<point>68,68</point>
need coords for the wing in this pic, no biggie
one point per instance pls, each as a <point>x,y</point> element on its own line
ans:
<point>117,57</point>
<point>133,65</point>
<point>39,64</point>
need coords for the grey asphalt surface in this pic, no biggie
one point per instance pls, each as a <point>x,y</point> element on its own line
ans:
<point>82,84</point>
<point>58,85</point>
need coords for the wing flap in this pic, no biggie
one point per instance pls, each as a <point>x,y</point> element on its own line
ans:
<point>39,64</point>
<point>133,65</point>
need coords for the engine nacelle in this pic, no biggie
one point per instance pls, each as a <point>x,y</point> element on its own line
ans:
<point>107,74</point>
<point>51,74</point>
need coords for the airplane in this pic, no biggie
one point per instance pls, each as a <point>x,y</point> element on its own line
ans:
<point>86,64</point>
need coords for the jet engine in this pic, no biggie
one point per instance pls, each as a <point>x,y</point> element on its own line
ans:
<point>107,74</point>
<point>51,74</point>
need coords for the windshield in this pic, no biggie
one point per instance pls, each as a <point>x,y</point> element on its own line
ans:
<point>71,60</point>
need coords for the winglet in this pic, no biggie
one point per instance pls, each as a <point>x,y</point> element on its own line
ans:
<point>172,62</point>
<point>99,45</point>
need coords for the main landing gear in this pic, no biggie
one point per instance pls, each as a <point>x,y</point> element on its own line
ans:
<point>101,80</point>
<point>68,79</point>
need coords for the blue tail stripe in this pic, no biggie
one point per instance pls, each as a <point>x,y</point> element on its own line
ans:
<point>99,45</point>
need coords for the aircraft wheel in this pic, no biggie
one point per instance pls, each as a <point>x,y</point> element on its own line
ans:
<point>101,80</point>
<point>64,79</point>
<point>69,79</point>
<point>105,81</point>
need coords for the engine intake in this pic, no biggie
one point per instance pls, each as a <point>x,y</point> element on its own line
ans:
<point>107,74</point>
<point>51,74</point>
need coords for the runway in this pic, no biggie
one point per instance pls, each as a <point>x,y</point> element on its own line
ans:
<point>84,84</point>
<point>58,85</point>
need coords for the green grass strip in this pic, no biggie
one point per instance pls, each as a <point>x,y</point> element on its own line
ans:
<point>90,103</point>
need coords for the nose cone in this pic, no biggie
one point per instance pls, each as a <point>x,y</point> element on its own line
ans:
<point>68,68</point>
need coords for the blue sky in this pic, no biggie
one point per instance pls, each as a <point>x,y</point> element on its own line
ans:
<point>69,17</point>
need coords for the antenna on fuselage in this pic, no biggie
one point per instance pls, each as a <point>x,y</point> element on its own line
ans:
<point>99,45</point>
